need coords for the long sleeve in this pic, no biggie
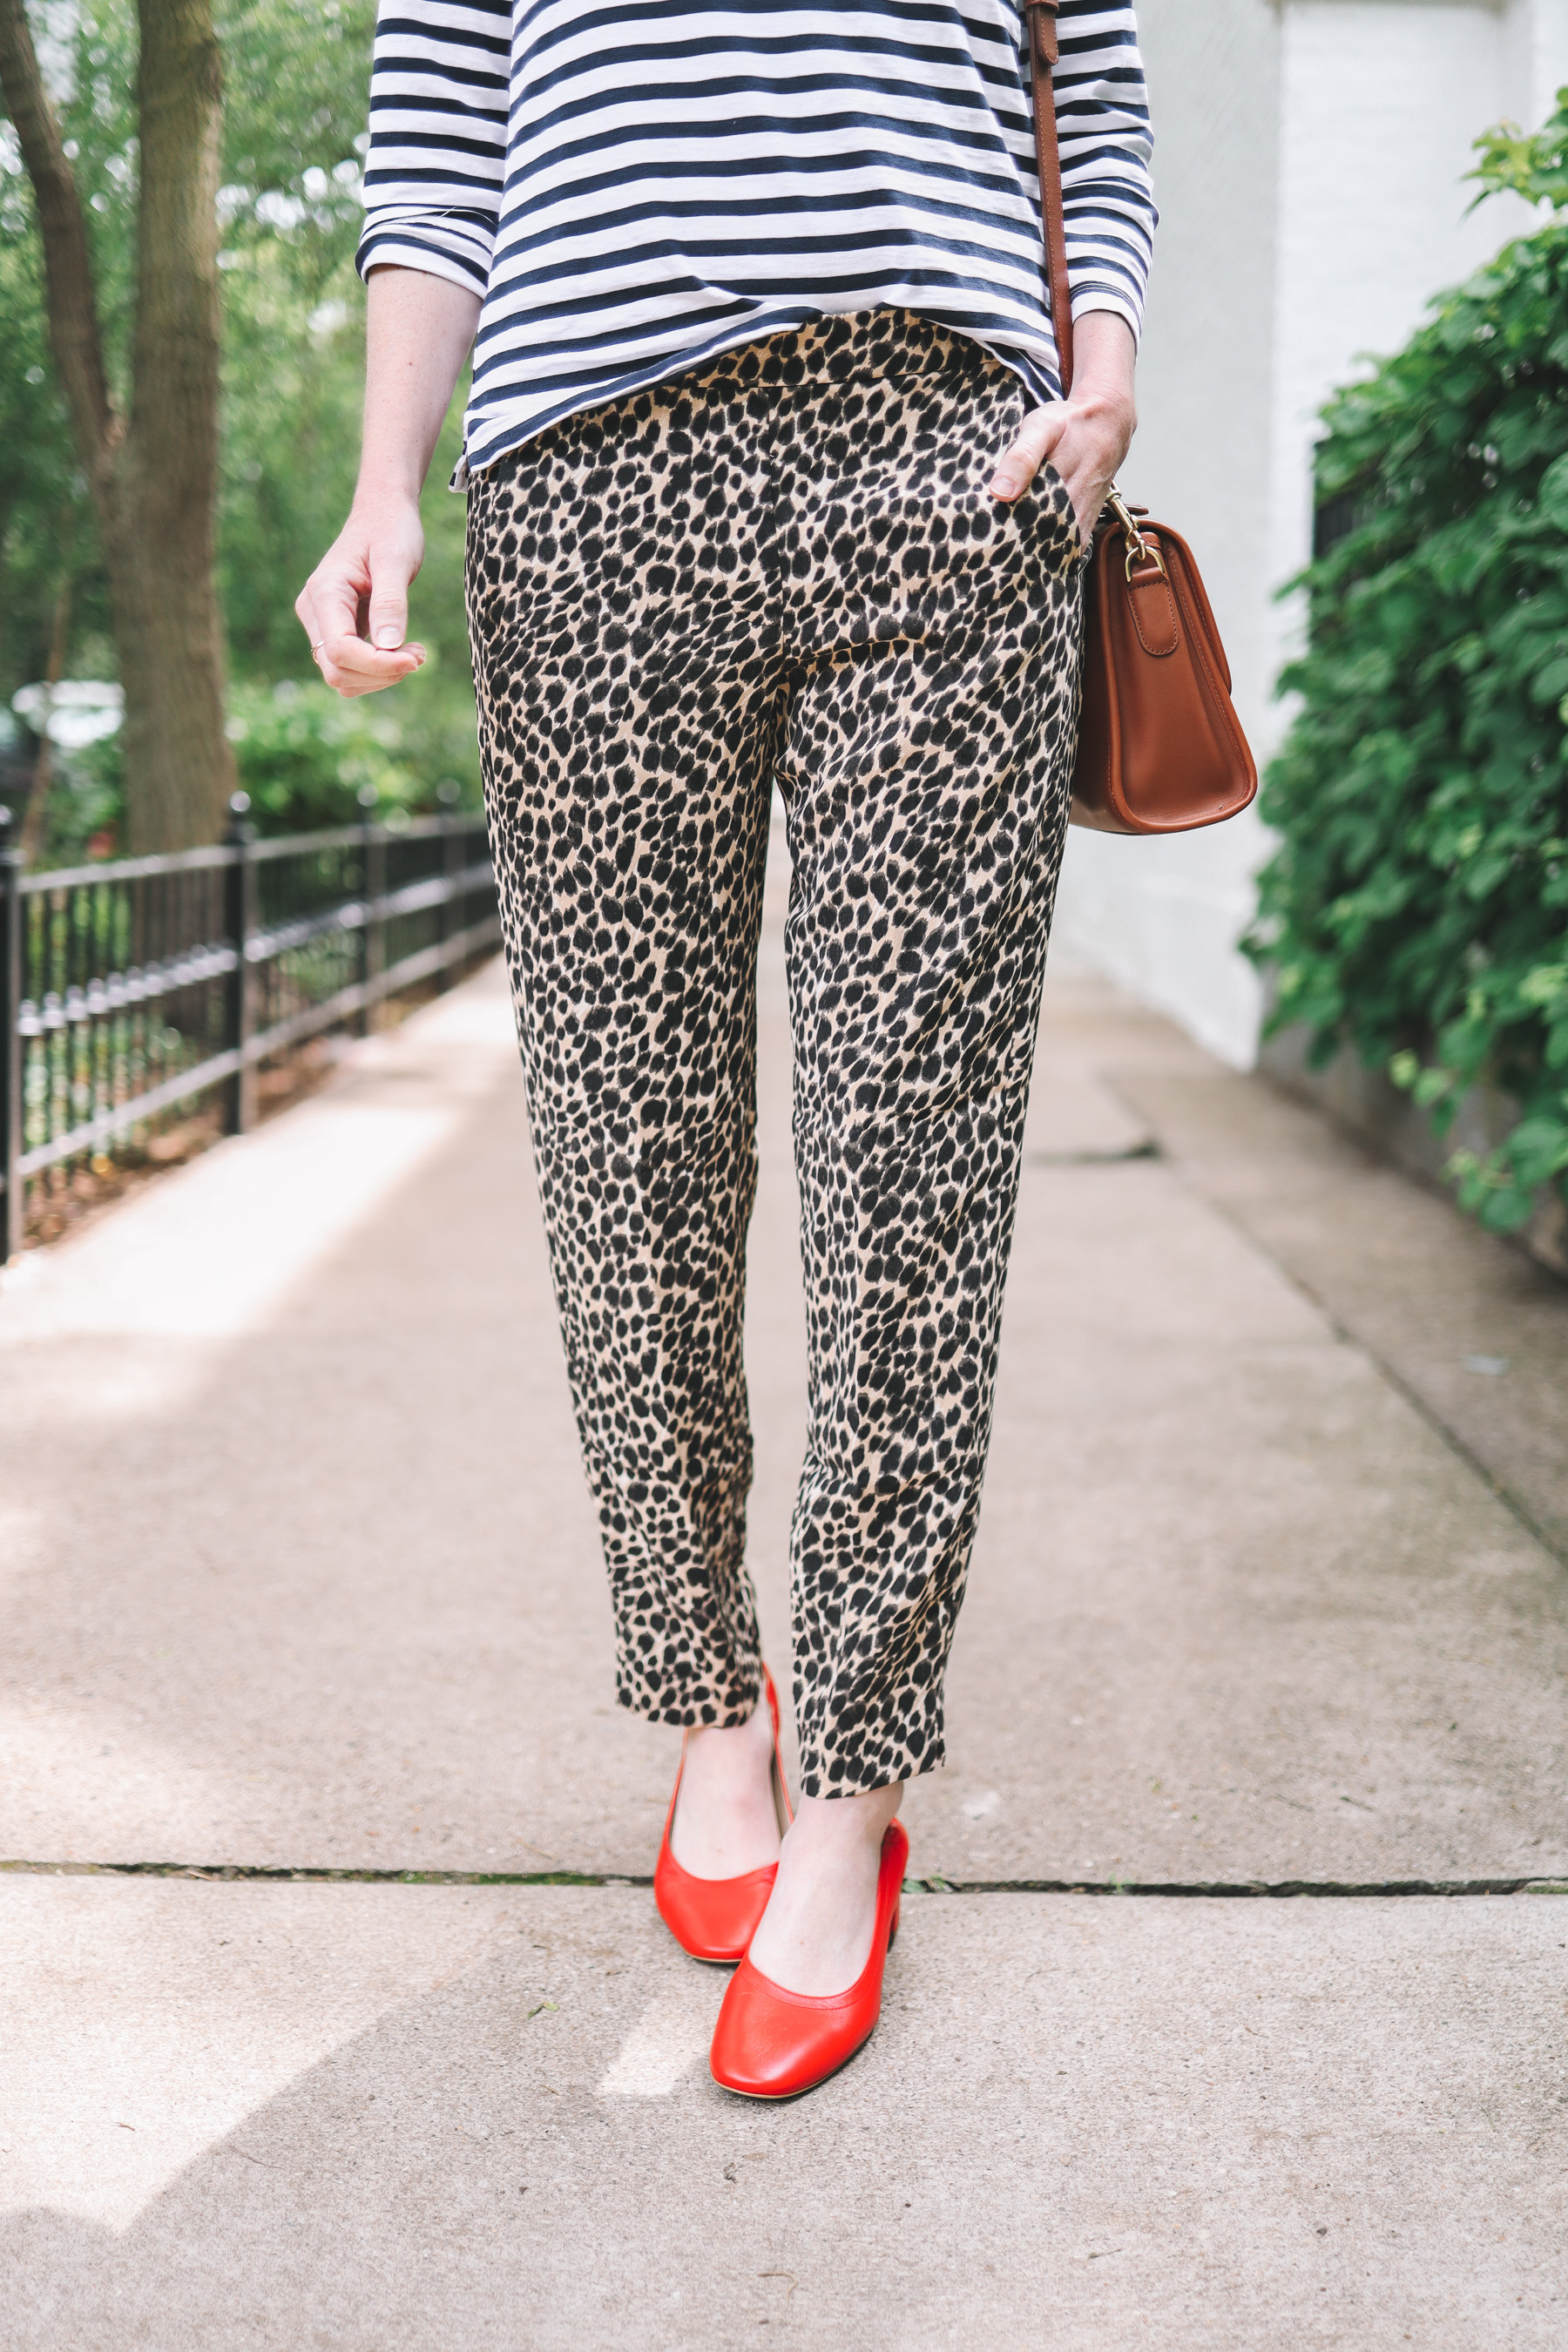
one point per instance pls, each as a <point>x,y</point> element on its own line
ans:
<point>1102,124</point>
<point>436,163</point>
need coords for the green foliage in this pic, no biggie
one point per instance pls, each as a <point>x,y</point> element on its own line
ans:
<point>1417,905</point>
<point>304,755</point>
<point>309,758</point>
<point>46,518</point>
<point>1531,165</point>
<point>86,805</point>
<point>306,759</point>
<point>296,78</point>
<point>48,538</point>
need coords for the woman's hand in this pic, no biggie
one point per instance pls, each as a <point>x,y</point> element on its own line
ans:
<point>1086,437</point>
<point>354,605</point>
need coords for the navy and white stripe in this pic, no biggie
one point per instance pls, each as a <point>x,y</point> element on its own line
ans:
<point>632,190</point>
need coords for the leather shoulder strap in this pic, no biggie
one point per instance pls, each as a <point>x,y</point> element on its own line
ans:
<point>1041,16</point>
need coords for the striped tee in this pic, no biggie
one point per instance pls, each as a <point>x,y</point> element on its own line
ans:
<point>634,190</point>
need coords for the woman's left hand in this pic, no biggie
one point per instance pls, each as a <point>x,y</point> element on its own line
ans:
<point>1086,437</point>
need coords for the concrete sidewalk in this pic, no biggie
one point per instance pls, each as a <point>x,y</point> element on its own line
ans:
<point>1270,1591</point>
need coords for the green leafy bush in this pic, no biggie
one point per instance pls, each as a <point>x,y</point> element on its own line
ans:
<point>309,758</point>
<point>304,756</point>
<point>86,805</point>
<point>296,80</point>
<point>306,759</point>
<point>1417,905</point>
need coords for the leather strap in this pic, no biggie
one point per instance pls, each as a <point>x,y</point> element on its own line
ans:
<point>1043,53</point>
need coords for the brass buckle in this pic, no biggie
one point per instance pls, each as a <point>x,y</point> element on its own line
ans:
<point>1140,548</point>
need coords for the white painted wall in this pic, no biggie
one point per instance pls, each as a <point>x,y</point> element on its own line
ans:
<point>1310,166</point>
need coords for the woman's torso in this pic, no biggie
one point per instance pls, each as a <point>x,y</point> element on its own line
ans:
<point>662,182</point>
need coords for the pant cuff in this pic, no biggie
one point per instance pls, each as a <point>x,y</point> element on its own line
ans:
<point>720,1704</point>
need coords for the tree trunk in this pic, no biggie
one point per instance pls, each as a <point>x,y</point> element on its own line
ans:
<point>155,483</point>
<point>168,623</point>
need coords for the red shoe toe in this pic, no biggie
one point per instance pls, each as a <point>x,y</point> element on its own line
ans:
<point>771,2044</point>
<point>712,1918</point>
<point>715,1918</point>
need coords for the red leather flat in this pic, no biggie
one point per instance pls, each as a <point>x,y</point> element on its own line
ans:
<point>715,1918</point>
<point>774,2044</point>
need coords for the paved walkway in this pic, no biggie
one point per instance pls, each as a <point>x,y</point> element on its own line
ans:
<point>299,1573</point>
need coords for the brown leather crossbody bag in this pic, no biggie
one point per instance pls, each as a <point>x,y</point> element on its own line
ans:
<point>1159,749</point>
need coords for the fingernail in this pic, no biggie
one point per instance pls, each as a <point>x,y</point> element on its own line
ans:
<point>388,638</point>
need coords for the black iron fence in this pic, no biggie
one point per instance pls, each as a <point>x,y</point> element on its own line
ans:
<point>132,989</point>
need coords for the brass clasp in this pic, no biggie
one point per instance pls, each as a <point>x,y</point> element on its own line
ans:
<point>1140,549</point>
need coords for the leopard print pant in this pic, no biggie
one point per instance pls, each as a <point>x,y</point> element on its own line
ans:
<point>783,568</point>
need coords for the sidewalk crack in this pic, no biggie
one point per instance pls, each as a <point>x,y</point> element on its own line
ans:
<point>1197,1890</point>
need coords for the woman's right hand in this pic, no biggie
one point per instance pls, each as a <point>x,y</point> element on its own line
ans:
<point>355,606</point>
